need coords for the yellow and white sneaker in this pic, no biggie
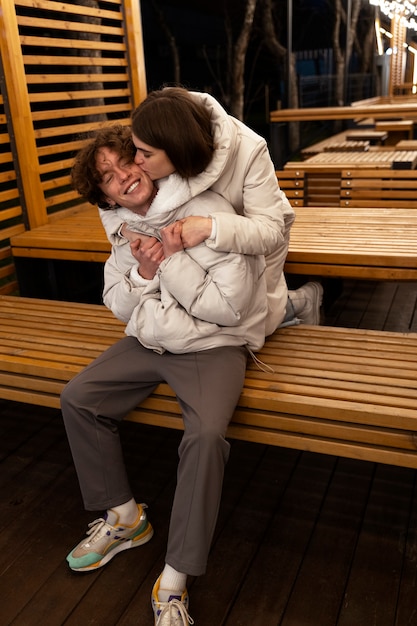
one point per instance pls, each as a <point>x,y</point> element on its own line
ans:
<point>174,612</point>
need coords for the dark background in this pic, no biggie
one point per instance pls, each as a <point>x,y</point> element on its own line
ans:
<point>200,24</point>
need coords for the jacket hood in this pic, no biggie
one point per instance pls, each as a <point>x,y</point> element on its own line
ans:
<point>225,133</point>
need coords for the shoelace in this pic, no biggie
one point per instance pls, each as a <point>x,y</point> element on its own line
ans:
<point>177,606</point>
<point>95,529</point>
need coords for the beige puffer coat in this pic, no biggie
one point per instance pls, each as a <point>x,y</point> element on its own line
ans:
<point>242,172</point>
<point>199,298</point>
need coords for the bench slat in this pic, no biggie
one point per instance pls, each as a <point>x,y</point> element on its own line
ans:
<point>340,391</point>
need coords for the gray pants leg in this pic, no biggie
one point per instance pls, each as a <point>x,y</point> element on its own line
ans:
<point>207,384</point>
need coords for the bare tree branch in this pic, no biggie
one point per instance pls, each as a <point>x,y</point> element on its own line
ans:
<point>270,37</point>
<point>240,49</point>
<point>171,42</point>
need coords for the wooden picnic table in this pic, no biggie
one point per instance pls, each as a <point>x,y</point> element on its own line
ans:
<point>401,159</point>
<point>377,244</point>
<point>397,109</point>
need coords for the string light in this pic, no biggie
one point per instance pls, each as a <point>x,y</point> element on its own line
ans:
<point>404,10</point>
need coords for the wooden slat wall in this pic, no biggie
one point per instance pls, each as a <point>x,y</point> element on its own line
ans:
<point>11,220</point>
<point>355,187</point>
<point>67,68</point>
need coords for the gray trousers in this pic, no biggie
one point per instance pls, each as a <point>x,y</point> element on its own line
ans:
<point>207,384</point>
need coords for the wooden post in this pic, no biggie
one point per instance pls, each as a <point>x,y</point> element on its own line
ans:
<point>133,27</point>
<point>27,167</point>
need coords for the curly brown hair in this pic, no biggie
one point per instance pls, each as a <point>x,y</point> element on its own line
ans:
<point>85,176</point>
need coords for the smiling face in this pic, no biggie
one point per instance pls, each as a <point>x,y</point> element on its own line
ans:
<point>123,182</point>
<point>153,161</point>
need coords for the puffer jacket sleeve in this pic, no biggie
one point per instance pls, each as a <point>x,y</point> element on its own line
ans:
<point>270,213</point>
<point>120,294</point>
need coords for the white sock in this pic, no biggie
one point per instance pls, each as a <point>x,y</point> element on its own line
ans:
<point>127,512</point>
<point>171,581</point>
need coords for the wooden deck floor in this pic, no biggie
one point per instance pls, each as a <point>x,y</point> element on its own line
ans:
<point>302,539</point>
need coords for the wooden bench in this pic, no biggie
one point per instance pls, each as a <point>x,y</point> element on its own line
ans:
<point>337,391</point>
<point>363,243</point>
<point>396,129</point>
<point>378,244</point>
<point>334,141</point>
<point>322,173</point>
<point>320,185</point>
<point>382,108</point>
<point>375,137</point>
<point>292,183</point>
<point>366,187</point>
<point>376,157</point>
<point>378,188</point>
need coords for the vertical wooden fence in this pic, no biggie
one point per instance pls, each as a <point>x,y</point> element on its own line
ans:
<point>66,68</point>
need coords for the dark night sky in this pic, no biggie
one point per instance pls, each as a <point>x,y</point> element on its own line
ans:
<point>197,23</point>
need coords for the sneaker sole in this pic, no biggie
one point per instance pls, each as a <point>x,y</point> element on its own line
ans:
<point>140,540</point>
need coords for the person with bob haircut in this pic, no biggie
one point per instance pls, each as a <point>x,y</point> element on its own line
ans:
<point>193,315</point>
<point>177,130</point>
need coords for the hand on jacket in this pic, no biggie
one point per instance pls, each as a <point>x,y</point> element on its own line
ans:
<point>171,239</point>
<point>128,234</point>
<point>195,230</point>
<point>149,253</point>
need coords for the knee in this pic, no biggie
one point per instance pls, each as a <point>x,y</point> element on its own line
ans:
<point>208,443</point>
<point>71,396</point>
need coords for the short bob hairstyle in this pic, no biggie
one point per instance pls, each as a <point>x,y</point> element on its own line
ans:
<point>85,176</point>
<point>170,119</point>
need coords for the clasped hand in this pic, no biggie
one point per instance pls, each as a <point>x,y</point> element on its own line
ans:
<point>149,252</point>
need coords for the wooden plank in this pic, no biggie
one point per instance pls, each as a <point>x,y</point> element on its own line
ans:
<point>20,112</point>
<point>400,110</point>
<point>287,542</point>
<point>341,513</point>
<point>44,79</point>
<point>87,44</point>
<point>70,27</point>
<point>334,391</point>
<point>62,7</point>
<point>379,243</point>
<point>382,553</point>
<point>134,36</point>
<point>89,61</point>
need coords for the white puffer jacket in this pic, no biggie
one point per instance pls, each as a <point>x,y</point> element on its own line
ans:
<point>199,298</point>
<point>242,172</point>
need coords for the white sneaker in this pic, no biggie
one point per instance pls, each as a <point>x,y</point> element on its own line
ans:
<point>171,613</point>
<point>311,295</point>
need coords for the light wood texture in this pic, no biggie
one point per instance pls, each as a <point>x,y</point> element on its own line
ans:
<point>11,208</point>
<point>370,158</point>
<point>18,97</point>
<point>400,110</point>
<point>379,188</point>
<point>292,183</point>
<point>49,105</point>
<point>136,55</point>
<point>380,244</point>
<point>352,186</point>
<point>396,129</point>
<point>336,391</point>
